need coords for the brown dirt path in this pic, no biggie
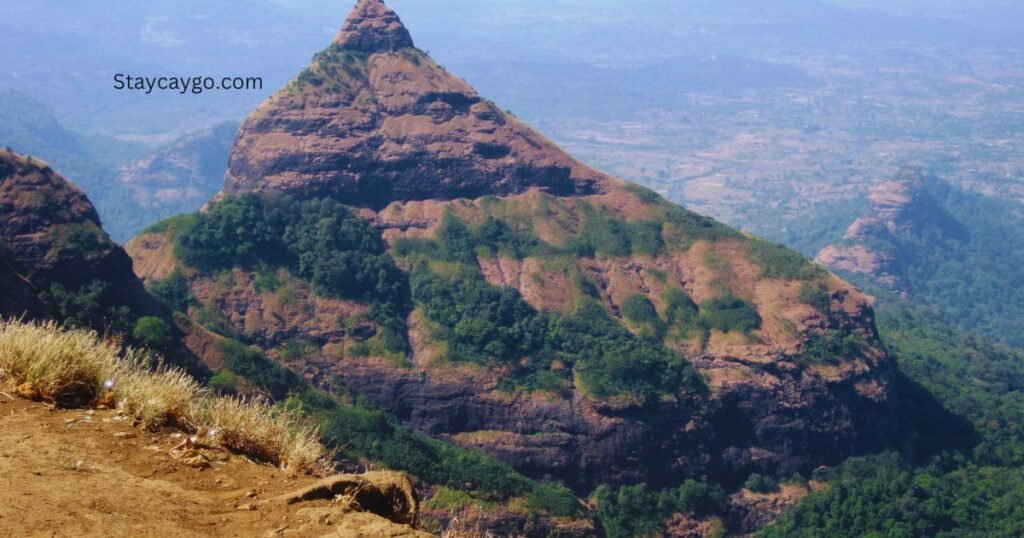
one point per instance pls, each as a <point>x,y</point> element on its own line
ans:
<point>89,473</point>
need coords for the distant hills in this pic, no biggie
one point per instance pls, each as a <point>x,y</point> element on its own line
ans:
<point>942,247</point>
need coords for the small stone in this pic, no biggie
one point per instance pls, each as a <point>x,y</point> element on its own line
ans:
<point>250,494</point>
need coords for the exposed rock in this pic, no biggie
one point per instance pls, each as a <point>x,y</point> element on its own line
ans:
<point>374,120</point>
<point>373,27</point>
<point>376,124</point>
<point>752,511</point>
<point>898,208</point>
<point>52,233</point>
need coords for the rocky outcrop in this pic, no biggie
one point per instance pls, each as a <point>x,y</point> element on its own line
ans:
<point>376,124</point>
<point>783,418</point>
<point>373,27</point>
<point>52,233</point>
<point>374,120</point>
<point>899,208</point>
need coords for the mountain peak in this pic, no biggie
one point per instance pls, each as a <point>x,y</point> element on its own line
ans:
<point>373,27</point>
<point>372,120</point>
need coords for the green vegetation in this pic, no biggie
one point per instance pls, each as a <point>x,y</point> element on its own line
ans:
<point>882,496</point>
<point>93,306</point>
<point>260,371</point>
<point>636,511</point>
<point>761,484</point>
<point>318,240</point>
<point>815,296</point>
<point>604,233</point>
<point>963,258</point>
<point>226,382</point>
<point>729,313</point>
<point>972,493</point>
<point>777,261</point>
<point>833,347</point>
<point>681,313</point>
<point>639,310</point>
<point>974,378</point>
<point>152,332</point>
<point>362,432</point>
<point>492,325</point>
<point>173,291</point>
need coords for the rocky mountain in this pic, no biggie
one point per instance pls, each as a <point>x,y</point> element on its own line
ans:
<point>395,237</point>
<point>895,208</point>
<point>374,120</point>
<point>60,264</point>
<point>941,247</point>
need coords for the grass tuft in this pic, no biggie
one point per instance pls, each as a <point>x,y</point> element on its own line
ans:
<point>42,361</point>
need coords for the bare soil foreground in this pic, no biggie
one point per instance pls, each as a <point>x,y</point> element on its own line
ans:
<point>90,473</point>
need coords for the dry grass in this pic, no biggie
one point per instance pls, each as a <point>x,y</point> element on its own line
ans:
<point>460,529</point>
<point>77,368</point>
<point>270,434</point>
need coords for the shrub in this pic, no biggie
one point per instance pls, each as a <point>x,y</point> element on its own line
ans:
<point>173,291</point>
<point>680,310</point>
<point>832,348</point>
<point>777,261</point>
<point>152,332</point>
<point>815,296</point>
<point>93,306</point>
<point>729,313</point>
<point>225,382</point>
<point>639,310</point>
<point>260,371</point>
<point>761,484</point>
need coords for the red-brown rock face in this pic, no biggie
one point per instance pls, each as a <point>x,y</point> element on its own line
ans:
<point>374,120</point>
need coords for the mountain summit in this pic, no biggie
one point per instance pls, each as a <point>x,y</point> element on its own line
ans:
<point>373,27</point>
<point>374,120</point>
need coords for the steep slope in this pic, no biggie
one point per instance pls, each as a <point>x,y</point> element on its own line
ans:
<point>374,119</point>
<point>395,237</point>
<point>61,263</point>
<point>942,247</point>
<point>19,297</point>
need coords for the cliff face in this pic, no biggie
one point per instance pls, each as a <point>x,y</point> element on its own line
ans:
<point>374,120</point>
<point>801,381</point>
